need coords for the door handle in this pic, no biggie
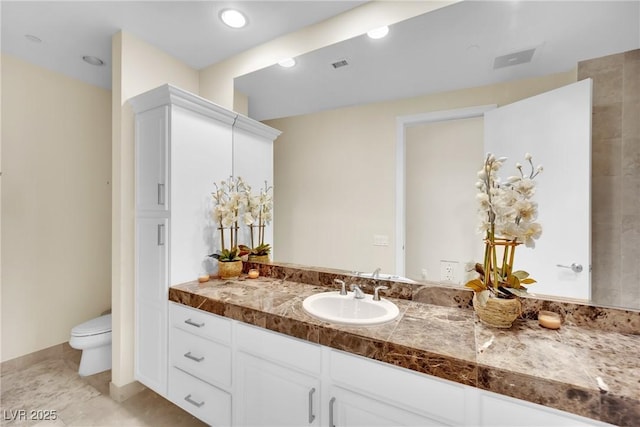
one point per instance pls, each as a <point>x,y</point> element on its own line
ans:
<point>311,416</point>
<point>575,267</point>
<point>160,234</point>
<point>331,403</point>
<point>160,194</point>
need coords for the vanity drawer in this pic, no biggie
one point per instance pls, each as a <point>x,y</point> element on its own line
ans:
<point>204,401</point>
<point>200,323</point>
<point>207,360</point>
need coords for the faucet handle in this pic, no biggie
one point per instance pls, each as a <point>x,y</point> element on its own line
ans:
<point>376,293</point>
<point>343,290</point>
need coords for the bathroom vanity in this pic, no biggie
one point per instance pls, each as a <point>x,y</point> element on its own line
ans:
<point>434,365</point>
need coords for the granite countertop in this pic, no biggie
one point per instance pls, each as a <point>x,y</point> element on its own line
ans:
<point>586,371</point>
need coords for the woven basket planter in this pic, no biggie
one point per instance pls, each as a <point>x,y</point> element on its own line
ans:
<point>498,312</point>
<point>229,269</point>
<point>259,258</point>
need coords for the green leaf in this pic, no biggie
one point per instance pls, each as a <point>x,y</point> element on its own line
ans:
<point>513,281</point>
<point>520,274</point>
<point>529,281</point>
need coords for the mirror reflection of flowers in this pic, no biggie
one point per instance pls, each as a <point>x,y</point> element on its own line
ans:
<point>507,216</point>
<point>257,216</point>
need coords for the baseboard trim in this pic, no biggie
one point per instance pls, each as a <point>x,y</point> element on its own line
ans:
<point>58,351</point>
<point>122,393</point>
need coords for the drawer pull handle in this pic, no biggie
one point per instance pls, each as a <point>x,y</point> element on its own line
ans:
<point>311,416</point>
<point>193,402</point>
<point>192,357</point>
<point>331,402</point>
<point>192,323</point>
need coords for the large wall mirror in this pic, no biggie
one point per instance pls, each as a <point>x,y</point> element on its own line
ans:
<point>338,107</point>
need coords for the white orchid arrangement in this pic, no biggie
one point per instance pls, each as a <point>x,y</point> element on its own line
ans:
<point>230,200</point>
<point>234,202</point>
<point>258,214</point>
<point>507,216</point>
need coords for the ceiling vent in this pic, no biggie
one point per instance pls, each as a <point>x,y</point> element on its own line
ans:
<point>515,58</point>
<point>341,63</point>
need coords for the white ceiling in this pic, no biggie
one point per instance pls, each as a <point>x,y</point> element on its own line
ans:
<point>447,49</point>
<point>188,30</point>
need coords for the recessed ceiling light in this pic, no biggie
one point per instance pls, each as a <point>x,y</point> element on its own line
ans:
<point>287,62</point>
<point>33,38</point>
<point>378,33</point>
<point>93,60</point>
<point>233,18</point>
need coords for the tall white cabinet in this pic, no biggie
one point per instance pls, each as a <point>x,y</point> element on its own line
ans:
<point>184,144</point>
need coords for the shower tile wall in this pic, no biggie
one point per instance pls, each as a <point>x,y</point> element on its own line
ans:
<point>615,177</point>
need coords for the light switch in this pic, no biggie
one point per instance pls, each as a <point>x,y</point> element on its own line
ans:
<point>380,240</point>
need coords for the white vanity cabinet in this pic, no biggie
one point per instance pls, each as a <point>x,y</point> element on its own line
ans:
<point>228,373</point>
<point>277,379</point>
<point>183,145</point>
<point>364,392</point>
<point>200,364</point>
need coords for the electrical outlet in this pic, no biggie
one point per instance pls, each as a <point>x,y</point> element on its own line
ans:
<point>448,271</point>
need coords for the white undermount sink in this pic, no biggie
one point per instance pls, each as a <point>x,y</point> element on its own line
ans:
<point>335,308</point>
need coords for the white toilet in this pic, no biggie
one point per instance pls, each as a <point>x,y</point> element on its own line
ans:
<point>93,337</point>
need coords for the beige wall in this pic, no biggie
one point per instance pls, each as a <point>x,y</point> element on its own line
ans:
<point>442,160</point>
<point>56,173</point>
<point>334,174</point>
<point>137,67</point>
<point>615,177</point>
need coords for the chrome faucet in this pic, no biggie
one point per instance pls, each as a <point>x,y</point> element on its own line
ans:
<point>376,274</point>
<point>358,292</point>
<point>376,292</point>
<point>343,289</point>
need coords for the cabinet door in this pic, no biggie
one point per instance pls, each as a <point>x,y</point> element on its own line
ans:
<point>151,303</point>
<point>497,410</point>
<point>271,395</point>
<point>348,409</point>
<point>200,158</point>
<point>152,145</point>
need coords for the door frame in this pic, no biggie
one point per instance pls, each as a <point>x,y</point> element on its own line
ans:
<point>402,124</point>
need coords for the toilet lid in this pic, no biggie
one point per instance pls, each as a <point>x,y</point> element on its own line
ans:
<point>99,325</point>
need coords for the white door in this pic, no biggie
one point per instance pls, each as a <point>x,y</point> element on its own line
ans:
<point>555,127</point>
<point>272,395</point>
<point>349,409</point>
<point>151,303</point>
<point>151,160</point>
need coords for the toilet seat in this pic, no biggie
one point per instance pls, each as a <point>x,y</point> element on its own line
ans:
<point>97,326</point>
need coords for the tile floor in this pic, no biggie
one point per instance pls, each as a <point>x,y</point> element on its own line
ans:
<point>54,385</point>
